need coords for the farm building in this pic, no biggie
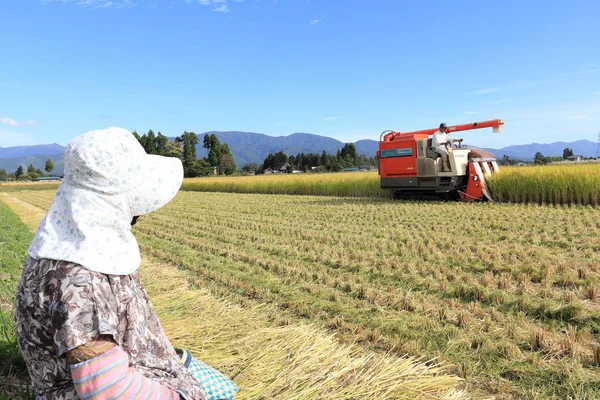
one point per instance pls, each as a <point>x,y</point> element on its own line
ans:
<point>48,179</point>
<point>575,158</point>
<point>281,168</point>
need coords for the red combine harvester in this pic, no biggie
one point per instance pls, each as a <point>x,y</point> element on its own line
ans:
<point>405,168</point>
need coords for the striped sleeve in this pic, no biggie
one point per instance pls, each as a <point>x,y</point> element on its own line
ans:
<point>108,376</point>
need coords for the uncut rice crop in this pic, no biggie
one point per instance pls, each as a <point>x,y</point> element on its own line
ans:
<point>548,184</point>
<point>347,184</point>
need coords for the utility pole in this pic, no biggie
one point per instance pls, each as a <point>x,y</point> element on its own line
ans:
<point>598,148</point>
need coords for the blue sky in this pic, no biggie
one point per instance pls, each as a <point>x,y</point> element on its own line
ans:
<point>345,69</point>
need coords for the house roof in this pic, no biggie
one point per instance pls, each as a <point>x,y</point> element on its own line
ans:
<point>282,165</point>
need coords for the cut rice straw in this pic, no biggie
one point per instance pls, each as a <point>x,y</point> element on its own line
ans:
<point>293,362</point>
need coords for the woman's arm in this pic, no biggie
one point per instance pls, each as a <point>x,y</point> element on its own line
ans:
<point>100,371</point>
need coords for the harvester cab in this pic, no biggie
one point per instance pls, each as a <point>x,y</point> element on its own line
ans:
<point>408,165</point>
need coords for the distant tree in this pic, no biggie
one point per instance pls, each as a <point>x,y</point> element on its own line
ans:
<point>215,150</point>
<point>161,143</point>
<point>323,160</point>
<point>539,159</point>
<point>226,164</point>
<point>31,169</point>
<point>250,167</point>
<point>203,168</point>
<point>348,161</point>
<point>279,158</point>
<point>206,143</point>
<point>150,145</point>
<point>505,160</point>
<point>373,162</point>
<point>39,172</point>
<point>349,150</point>
<point>143,141</point>
<point>363,162</point>
<point>189,160</point>
<point>3,175</point>
<point>174,148</point>
<point>49,165</point>
<point>567,153</point>
<point>267,162</point>
<point>137,136</point>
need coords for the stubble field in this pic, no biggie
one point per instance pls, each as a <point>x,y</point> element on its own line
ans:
<point>508,294</point>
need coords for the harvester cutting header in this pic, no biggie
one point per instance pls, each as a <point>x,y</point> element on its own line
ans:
<point>414,162</point>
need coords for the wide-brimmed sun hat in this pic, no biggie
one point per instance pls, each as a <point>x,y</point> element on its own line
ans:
<point>108,179</point>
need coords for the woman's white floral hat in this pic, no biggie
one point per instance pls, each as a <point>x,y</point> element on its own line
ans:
<point>108,179</point>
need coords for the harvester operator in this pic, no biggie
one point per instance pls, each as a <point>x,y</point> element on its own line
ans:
<point>440,142</point>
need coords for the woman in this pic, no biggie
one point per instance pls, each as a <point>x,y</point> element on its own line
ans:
<point>85,325</point>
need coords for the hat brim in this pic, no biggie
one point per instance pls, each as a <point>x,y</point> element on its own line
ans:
<point>161,179</point>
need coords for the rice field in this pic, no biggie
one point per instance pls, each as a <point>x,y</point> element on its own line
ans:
<point>508,295</point>
<point>17,186</point>
<point>349,184</point>
<point>548,184</point>
<point>553,184</point>
<point>268,358</point>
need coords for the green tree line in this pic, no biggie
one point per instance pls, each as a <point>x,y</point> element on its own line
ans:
<point>540,159</point>
<point>218,160</point>
<point>31,174</point>
<point>346,157</point>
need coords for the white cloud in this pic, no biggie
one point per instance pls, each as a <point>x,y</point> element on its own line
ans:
<point>9,121</point>
<point>13,123</point>
<point>278,123</point>
<point>527,83</point>
<point>315,21</point>
<point>222,8</point>
<point>330,118</point>
<point>484,91</point>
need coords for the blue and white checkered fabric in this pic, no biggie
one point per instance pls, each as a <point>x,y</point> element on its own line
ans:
<point>216,386</point>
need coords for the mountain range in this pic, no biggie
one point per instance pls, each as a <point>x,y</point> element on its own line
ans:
<point>248,147</point>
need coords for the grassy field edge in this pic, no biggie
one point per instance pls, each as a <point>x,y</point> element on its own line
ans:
<point>14,240</point>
